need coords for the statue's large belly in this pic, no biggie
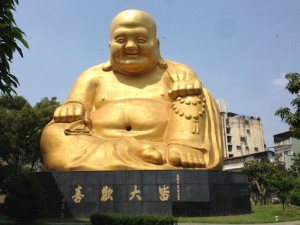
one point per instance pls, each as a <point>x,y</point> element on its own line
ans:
<point>144,119</point>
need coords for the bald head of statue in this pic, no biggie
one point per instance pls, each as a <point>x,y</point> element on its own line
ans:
<point>134,47</point>
<point>131,18</point>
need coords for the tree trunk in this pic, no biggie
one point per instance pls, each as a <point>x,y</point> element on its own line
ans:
<point>32,165</point>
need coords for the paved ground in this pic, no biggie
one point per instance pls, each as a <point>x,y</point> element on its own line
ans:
<point>277,223</point>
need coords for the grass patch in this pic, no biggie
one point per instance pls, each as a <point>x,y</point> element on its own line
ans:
<point>260,214</point>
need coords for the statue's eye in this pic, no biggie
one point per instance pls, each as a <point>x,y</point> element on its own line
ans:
<point>120,40</point>
<point>141,40</point>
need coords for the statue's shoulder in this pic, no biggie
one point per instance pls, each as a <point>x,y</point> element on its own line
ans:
<point>179,67</point>
<point>93,72</point>
<point>181,71</point>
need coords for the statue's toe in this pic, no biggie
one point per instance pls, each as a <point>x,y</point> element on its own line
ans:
<point>191,159</point>
<point>145,152</point>
<point>174,158</point>
<point>186,157</point>
<point>152,156</point>
<point>202,162</point>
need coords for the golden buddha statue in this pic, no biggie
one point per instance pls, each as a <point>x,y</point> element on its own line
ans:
<point>135,111</point>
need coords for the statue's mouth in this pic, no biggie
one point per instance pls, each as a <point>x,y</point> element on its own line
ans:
<point>131,56</point>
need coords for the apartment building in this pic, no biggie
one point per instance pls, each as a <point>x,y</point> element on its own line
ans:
<point>285,146</point>
<point>242,136</point>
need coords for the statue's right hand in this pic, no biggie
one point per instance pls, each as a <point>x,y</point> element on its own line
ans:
<point>69,112</point>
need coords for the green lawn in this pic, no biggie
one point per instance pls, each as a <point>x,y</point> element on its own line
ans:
<point>260,214</point>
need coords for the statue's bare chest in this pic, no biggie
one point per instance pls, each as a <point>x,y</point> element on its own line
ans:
<point>113,88</point>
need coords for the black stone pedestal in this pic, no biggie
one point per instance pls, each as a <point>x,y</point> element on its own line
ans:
<point>166,192</point>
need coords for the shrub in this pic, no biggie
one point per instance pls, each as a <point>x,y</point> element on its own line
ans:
<point>117,219</point>
<point>295,193</point>
<point>295,197</point>
<point>25,200</point>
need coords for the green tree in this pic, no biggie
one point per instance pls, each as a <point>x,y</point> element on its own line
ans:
<point>260,175</point>
<point>282,183</point>
<point>20,130</point>
<point>26,199</point>
<point>289,117</point>
<point>295,193</point>
<point>21,126</point>
<point>17,123</point>
<point>10,35</point>
<point>44,111</point>
<point>295,171</point>
<point>295,167</point>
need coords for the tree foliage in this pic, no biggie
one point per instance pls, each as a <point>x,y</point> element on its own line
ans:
<point>45,109</point>
<point>295,167</point>
<point>286,114</point>
<point>282,183</point>
<point>295,193</point>
<point>295,171</point>
<point>267,177</point>
<point>260,175</point>
<point>21,126</point>
<point>25,198</point>
<point>10,36</point>
<point>17,124</point>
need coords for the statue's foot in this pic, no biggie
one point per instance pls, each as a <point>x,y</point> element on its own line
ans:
<point>184,156</point>
<point>145,151</point>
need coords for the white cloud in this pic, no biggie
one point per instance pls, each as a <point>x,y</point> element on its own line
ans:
<point>279,82</point>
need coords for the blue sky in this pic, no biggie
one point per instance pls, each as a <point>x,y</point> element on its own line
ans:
<point>240,49</point>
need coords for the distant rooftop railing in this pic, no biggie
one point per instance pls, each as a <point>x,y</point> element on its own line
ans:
<point>231,114</point>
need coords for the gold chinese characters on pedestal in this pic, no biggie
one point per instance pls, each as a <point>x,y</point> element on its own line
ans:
<point>135,111</point>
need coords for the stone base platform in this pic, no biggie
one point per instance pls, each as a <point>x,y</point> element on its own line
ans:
<point>167,192</point>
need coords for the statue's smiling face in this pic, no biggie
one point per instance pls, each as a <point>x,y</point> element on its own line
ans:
<point>134,50</point>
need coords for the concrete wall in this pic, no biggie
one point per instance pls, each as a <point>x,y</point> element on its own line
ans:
<point>243,135</point>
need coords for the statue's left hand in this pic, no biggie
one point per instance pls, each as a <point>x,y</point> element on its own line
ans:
<point>69,112</point>
<point>185,88</point>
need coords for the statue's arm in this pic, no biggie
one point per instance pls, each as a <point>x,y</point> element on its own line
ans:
<point>80,101</point>
<point>186,82</point>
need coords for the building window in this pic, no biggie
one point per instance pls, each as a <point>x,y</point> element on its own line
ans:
<point>228,130</point>
<point>256,149</point>
<point>248,131</point>
<point>243,139</point>
<point>247,122</point>
<point>228,139</point>
<point>229,148</point>
<point>230,155</point>
<point>238,147</point>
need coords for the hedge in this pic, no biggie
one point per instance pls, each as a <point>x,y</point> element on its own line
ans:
<point>118,219</point>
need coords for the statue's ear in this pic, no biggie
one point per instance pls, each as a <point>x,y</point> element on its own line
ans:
<point>109,44</point>
<point>157,43</point>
